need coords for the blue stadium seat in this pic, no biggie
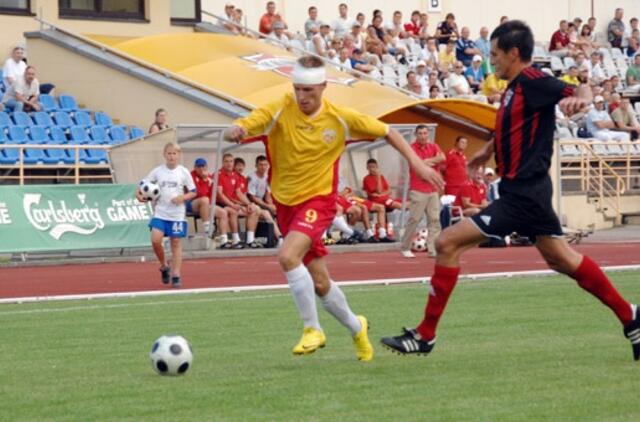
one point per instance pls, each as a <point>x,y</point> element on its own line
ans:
<point>136,132</point>
<point>17,135</point>
<point>33,156</point>
<point>78,135</point>
<point>68,103</point>
<point>38,134</point>
<point>118,135</point>
<point>43,119</point>
<point>103,119</point>
<point>62,119</point>
<point>82,118</point>
<point>22,119</point>
<point>98,135</point>
<point>9,156</point>
<point>97,156</point>
<point>3,137</point>
<point>57,135</point>
<point>56,156</point>
<point>5,120</point>
<point>49,103</point>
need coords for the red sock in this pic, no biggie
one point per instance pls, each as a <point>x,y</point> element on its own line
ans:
<point>591,278</point>
<point>442,283</point>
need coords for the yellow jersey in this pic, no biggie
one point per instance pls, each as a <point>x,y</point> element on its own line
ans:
<point>304,151</point>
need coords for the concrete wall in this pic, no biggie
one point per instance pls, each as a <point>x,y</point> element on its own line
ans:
<point>158,15</point>
<point>542,15</point>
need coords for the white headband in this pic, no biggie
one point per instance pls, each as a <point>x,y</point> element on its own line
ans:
<point>308,76</point>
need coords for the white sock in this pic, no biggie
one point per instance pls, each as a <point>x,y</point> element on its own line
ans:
<point>369,233</point>
<point>251,236</point>
<point>382,232</point>
<point>206,226</point>
<point>235,238</point>
<point>224,238</point>
<point>335,302</point>
<point>301,287</point>
<point>341,224</point>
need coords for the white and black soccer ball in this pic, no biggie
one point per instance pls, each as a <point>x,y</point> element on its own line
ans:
<point>422,234</point>
<point>149,190</point>
<point>171,355</point>
<point>419,245</point>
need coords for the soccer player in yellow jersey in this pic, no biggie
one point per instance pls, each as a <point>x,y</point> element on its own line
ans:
<point>305,136</point>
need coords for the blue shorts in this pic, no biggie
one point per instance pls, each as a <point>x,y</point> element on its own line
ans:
<point>169,228</point>
<point>189,207</point>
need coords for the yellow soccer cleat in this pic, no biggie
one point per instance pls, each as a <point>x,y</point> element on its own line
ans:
<point>364,349</point>
<point>311,341</point>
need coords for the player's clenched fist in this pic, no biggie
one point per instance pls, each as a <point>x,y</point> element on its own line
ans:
<point>234,134</point>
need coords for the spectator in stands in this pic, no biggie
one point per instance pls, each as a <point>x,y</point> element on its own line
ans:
<point>466,48</point>
<point>201,204</point>
<point>591,23</point>
<point>424,28</point>
<point>357,36</point>
<point>347,42</point>
<point>447,57</point>
<point>376,187</point>
<point>493,88</point>
<point>160,123</point>
<point>435,93</point>
<point>280,35</point>
<point>577,22</point>
<point>423,196</point>
<point>230,16</point>
<point>312,25</point>
<point>373,42</point>
<point>571,76</point>
<point>447,29</point>
<point>413,85</point>
<point>455,173</point>
<point>268,19</point>
<point>457,82</point>
<point>615,30</point>
<point>491,182</point>
<point>14,67</point>
<point>359,63</point>
<point>633,24</point>
<point>600,125</point>
<point>634,43</point>
<point>239,24</point>
<point>343,59</point>
<point>583,75</point>
<point>580,60</point>
<point>614,103</point>
<point>360,18</point>
<point>584,42</point>
<point>472,196</point>
<point>343,24</point>
<point>560,44</point>
<point>596,73</point>
<point>236,204</point>
<point>483,44</point>
<point>625,119</point>
<point>23,95</point>
<point>396,26</point>
<point>475,73</point>
<point>633,75</point>
<point>413,27</point>
<point>422,75</point>
<point>322,41</point>
<point>430,53</point>
<point>616,86</point>
<point>434,81</point>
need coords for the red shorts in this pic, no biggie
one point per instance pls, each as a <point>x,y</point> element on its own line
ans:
<point>312,217</point>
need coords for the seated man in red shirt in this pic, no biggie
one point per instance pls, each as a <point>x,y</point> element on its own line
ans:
<point>472,196</point>
<point>377,187</point>
<point>367,207</point>
<point>201,204</point>
<point>236,203</point>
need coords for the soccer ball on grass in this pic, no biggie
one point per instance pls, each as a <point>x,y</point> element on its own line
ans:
<point>171,355</point>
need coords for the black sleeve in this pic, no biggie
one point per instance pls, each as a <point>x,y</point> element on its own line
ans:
<point>545,91</point>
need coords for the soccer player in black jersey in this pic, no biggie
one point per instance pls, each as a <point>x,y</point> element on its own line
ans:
<point>522,147</point>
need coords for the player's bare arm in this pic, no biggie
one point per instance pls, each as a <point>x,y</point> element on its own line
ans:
<point>422,170</point>
<point>582,97</point>
<point>481,157</point>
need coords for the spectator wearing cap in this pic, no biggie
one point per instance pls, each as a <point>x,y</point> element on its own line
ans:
<point>447,29</point>
<point>342,25</point>
<point>625,119</point>
<point>491,182</point>
<point>615,30</point>
<point>571,76</point>
<point>466,48</point>
<point>447,57</point>
<point>322,41</point>
<point>268,19</point>
<point>475,73</point>
<point>422,74</point>
<point>483,43</point>
<point>280,35</point>
<point>633,75</point>
<point>201,204</point>
<point>600,125</point>
<point>312,24</point>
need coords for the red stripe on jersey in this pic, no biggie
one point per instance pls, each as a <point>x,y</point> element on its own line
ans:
<point>498,138</point>
<point>534,126</point>
<point>568,91</point>
<point>515,138</point>
<point>533,73</point>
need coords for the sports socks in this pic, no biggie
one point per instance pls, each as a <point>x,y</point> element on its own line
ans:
<point>335,302</point>
<point>591,278</point>
<point>370,233</point>
<point>224,238</point>
<point>303,292</point>
<point>235,238</point>
<point>341,223</point>
<point>382,232</point>
<point>442,283</point>
<point>251,237</point>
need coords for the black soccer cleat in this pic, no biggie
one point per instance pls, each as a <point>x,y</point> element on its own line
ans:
<point>165,274</point>
<point>409,343</point>
<point>176,282</point>
<point>632,332</point>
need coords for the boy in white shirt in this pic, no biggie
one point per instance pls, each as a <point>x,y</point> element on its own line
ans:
<point>169,216</point>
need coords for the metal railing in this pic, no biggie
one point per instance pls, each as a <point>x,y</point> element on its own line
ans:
<point>75,167</point>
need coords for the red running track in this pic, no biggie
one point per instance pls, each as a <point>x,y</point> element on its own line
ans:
<point>255,271</point>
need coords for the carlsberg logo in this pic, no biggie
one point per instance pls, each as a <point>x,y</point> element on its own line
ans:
<point>57,218</point>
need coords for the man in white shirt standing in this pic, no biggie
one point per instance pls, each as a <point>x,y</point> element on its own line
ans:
<point>23,94</point>
<point>14,67</point>
<point>342,25</point>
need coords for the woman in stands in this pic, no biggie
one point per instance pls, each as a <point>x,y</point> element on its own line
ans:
<point>169,214</point>
<point>161,121</point>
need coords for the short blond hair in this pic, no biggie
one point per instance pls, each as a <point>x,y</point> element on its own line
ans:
<point>171,145</point>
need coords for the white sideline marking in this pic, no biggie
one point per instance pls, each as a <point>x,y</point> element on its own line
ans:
<point>281,286</point>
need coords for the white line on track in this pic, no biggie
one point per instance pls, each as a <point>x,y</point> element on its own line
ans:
<point>280,286</point>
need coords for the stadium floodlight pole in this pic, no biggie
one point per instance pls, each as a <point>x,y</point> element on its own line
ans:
<point>302,51</point>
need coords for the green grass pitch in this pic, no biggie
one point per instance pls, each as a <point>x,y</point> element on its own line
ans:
<point>510,349</point>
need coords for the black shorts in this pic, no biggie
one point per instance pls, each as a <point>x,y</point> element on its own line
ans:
<point>523,207</point>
